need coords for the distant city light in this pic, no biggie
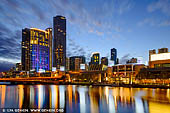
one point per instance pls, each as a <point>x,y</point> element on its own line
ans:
<point>82,66</point>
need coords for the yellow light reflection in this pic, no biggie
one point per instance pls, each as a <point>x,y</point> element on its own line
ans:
<point>40,96</point>
<point>107,94</point>
<point>21,95</point>
<point>3,96</point>
<point>159,107</point>
<point>70,95</point>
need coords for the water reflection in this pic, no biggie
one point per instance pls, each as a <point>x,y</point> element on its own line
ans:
<point>86,99</point>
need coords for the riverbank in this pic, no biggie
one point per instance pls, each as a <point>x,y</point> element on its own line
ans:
<point>84,84</point>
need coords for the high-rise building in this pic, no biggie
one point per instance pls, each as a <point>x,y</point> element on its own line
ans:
<point>35,50</point>
<point>95,58</point>
<point>67,64</point>
<point>114,55</point>
<point>75,62</point>
<point>59,48</point>
<point>49,30</point>
<point>104,61</point>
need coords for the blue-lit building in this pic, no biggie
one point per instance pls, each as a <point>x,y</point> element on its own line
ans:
<point>36,49</point>
<point>114,55</point>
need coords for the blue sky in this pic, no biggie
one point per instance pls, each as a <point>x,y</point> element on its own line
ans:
<point>133,27</point>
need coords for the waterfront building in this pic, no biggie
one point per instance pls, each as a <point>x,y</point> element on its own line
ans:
<point>160,59</point>
<point>126,73</point>
<point>114,55</point>
<point>154,73</point>
<point>36,49</point>
<point>59,48</point>
<point>76,61</point>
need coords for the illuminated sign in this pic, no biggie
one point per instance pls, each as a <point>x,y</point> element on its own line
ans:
<point>162,56</point>
<point>53,68</point>
<point>41,70</point>
<point>62,68</point>
<point>82,66</point>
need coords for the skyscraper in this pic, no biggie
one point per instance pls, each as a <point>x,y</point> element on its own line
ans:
<point>35,50</point>
<point>59,48</point>
<point>75,62</point>
<point>95,58</point>
<point>49,30</point>
<point>114,55</point>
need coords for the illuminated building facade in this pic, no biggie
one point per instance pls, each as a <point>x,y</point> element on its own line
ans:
<point>49,30</point>
<point>67,64</point>
<point>76,61</point>
<point>114,55</point>
<point>95,58</point>
<point>36,49</point>
<point>160,59</point>
<point>59,48</point>
<point>126,73</point>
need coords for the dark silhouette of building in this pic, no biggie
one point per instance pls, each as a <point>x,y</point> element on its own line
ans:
<point>75,62</point>
<point>163,50</point>
<point>132,60</point>
<point>151,52</point>
<point>59,48</point>
<point>35,50</point>
<point>104,61</point>
<point>114,55</point>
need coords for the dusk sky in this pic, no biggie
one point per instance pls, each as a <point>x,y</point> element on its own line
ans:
<point>133,27</point>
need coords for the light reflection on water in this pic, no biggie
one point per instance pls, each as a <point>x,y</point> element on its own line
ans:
<point>86,99</point>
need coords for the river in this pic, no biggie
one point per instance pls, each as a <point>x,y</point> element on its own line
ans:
<point>85,99</point>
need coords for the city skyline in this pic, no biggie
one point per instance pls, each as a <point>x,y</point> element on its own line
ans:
<point>109,25</point>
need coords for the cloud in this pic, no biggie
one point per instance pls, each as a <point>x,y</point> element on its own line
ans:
<point>125,6</point>
<point>165,23</point>
<point>124,59</point>
<point>160,5</point>
<point>18,14</point>
<point>147,21</point>
<point>74,49</point>
<point>154,22</point>
<point>6,64</point>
